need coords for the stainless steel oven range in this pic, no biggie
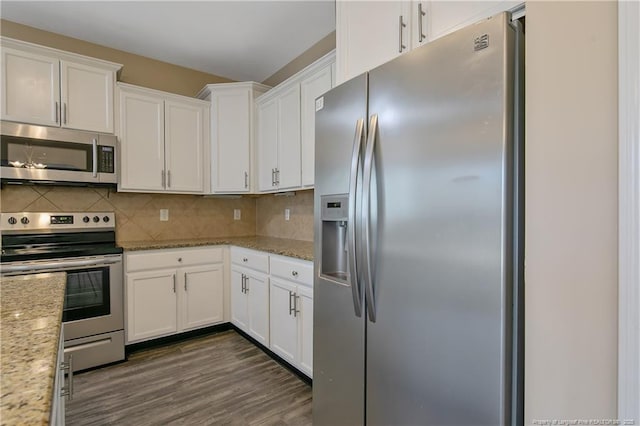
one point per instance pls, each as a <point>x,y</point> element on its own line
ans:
<point>82,245</point>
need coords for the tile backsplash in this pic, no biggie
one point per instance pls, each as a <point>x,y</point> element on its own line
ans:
<point>190,216</point>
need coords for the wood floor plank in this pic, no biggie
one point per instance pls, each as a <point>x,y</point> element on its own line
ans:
<point>221,379</point>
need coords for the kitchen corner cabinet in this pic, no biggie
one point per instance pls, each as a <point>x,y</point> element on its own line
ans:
<point>285,130</point>
<point>232,134</point>
<point>171,291</point>
<point>291,311</point>
<point>162,141</point>
<point>250,293</point>
<point>370,33</point>
<point>55,88</point>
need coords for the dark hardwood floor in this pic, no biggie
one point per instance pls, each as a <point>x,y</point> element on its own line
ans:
<point>212,380</point>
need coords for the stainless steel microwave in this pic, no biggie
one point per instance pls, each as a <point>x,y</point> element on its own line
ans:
<point>37,154</point>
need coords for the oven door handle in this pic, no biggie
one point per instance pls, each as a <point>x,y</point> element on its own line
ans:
<point>57,266</point>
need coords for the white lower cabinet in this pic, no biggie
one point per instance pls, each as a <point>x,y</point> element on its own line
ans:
<point>250,293</point>
<point>171,291</point>
<point>291,311</point>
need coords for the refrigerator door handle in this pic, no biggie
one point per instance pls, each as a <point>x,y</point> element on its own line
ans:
<point>351,230</point>
<point>366,219</point>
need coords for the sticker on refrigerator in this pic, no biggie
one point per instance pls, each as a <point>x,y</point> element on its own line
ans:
<point>319,103</point>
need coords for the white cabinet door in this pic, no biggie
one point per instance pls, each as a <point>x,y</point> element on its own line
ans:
<point>30,89</point>
<point>369,33</point>
<point>310,89</point>
<point>305,321</point>
<point>239,305</point>
<point>283,322</point>
<point>288,175</point>
<point>86,94</point>
<point>231,139</point>
<point>444,17</point>
<point>184,136</point>
<point>202,302</point>
<point>141,131</point>
<point>258,293</point>
<point>267,144</point>
<point>151,304</point>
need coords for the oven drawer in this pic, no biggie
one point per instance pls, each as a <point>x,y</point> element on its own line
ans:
<point>172,258</point>
<point>95,350</point>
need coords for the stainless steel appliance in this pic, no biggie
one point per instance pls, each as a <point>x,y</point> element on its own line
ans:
<point>82,245</point>
<point>418,252</point>
<point>38,154</point>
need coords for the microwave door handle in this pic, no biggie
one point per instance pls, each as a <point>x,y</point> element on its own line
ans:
<point>95,157</point>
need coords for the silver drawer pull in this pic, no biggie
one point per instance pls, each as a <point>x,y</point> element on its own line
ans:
<point>294,273</point>
<point>244,259</point>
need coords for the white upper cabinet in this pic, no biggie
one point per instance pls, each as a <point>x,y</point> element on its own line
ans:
<point>370,33</point>
<point>232,134</point>
<point>55,88</point>
<point>86,93</point>
<point>184,144</point>
<point>289,167</point>
<point>311,88</point>
<point>162,141</point>
<point>286,128</point>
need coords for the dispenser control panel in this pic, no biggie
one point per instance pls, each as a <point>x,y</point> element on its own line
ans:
<point>335,207</point>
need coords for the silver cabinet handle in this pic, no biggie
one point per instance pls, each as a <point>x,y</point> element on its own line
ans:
<point>169,178</point>
<point>244,259</point>
<point>246,284</point>
<point>179,259</point>
<point>246,179</point>
<point>421,14</point>
<point>95,157</point>
<point>185,281</point>
<point>401,25</point>
<point>366,219</point>
<point>174,283</point>
<point>294,273</point>
<point>56,111</point>
<point>295,305</point>
<point>277,176</point>
<point>68,390</point>
<point>242,283</point>
<point>162,177</point>
<point>291,307</point>
<point>64,112</point>
<point>273,177</point>
<point>351,224</point>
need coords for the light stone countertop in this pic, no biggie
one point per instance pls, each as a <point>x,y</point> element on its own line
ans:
<point>30,318</point>
<point>282,246</point>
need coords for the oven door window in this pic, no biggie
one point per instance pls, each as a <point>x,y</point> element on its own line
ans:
<point>87,294</point>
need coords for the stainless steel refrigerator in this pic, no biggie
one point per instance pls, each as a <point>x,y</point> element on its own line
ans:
<point>418,252</point>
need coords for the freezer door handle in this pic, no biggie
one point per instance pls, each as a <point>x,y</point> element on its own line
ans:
<point>351,231</point>
<point>366,219</point>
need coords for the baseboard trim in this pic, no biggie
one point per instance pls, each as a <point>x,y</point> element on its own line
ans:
<point>174,338</point>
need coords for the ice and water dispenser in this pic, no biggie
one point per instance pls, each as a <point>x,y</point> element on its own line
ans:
<point>334,216</point>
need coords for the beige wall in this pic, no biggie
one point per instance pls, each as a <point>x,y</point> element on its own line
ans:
<point>137,70</point>
<point>571,208</point>
<point>315,52</point>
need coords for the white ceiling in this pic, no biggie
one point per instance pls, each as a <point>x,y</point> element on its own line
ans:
<point>240,40</point>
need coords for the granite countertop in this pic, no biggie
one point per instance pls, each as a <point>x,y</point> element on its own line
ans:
<point>31,319</point>
<point>285,247</point>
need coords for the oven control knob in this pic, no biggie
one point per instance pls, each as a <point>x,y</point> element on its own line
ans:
<point>86,219</point>
<point>12,220</point>
<point>106,219</point>
<point>24,220</point>
<point>96,219</point>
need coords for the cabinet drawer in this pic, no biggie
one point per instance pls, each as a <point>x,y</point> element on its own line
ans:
<point>173,258</point>
<point>293,270</point>
<point>250,259</point>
